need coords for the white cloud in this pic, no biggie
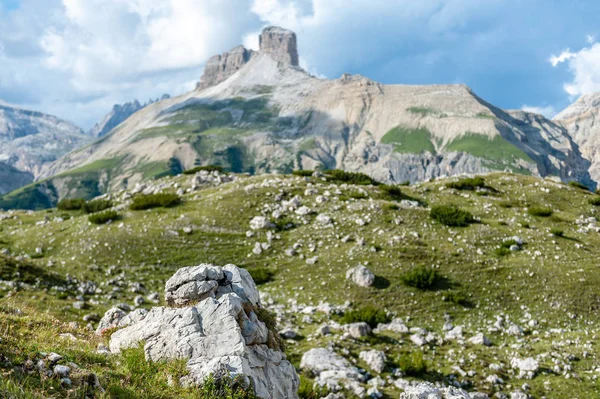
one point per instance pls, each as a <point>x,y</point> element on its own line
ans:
<point>585,67</point>
<point>548,111</point>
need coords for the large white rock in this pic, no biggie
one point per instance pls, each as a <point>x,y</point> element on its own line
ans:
<point>361,276</point>
<point>332,370</point>
<point>221,334</point>
<point>260,223</point>
<point>427,390</point>
<point>375,359</point>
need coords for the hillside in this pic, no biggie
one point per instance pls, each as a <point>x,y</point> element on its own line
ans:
<point>523,273</point>
<point>259,112</point>
<point>30,140</point>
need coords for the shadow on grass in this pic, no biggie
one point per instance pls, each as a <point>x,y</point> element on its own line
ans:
<point>381,282</point>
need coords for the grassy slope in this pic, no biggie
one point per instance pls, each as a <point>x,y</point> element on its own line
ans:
<point>558,288</point>
<point>407,140</point>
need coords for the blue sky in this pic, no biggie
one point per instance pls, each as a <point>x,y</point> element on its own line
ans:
<point>75,58</point>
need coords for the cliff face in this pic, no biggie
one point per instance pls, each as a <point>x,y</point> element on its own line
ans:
<point>280,44</point>
<point>11,178</point>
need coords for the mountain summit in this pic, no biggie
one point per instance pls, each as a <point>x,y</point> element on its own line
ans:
<point>280,44</point>
<point>259,112</point>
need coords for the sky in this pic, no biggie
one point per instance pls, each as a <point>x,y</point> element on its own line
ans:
<point>76,58</point>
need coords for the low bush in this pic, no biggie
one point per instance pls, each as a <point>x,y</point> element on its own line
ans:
<point>71,204</point>
<point>261,275</point>
<point>285,223</point>
<point>208,168</point>
<point>103,217</point>
<point>368,314</point>
<point>451,215</point>
<point>421,277</point>
<point>595,201</point>
<point>97,206</point>
<point>412,364</point>
<point>456,297</point>
<point>557,232</point>
<point>467,184</point>
<point>341,176</point>
<point>225,387</point>
<point>303,173</point>
<point>540,211</point>
<point>502,251</point>
<point>392,192</point>
<point>576,184</point>
<point>164,200</point>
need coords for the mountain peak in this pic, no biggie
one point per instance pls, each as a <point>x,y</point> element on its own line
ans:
<point>281,44</point>
<point>278,43</point>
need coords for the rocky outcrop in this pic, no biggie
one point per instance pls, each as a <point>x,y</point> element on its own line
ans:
<point>216,325</point>
<point>280,44</point>
<point>427,390</point>
<point>220,67</point>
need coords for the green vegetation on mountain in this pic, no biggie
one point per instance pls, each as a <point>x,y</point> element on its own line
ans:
<point>407,140</point>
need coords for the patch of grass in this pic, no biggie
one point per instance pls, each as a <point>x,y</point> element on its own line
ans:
<point>103,217</point>
<point>355,178</point>
<point>367,314</point>
<point>594,201</point>
<point>502,251</point>
<point>557,232</point>
<point>494,149</point>
<point>457,297</point>
<point>261,275</point>
<point>97,206</point>
<point>303,173</point>
<point>541,211</point>
<point>424,111</point>
<point>208,168</point>
<point>451,215</point>
<point>24,272</point>
<point>308,389</point>
<point>73,204</point>
<point>407,140</point>
<point>225,387</point>
<point>581,186</point>
<point>392,192</point>
<point>284,223</point>
<point>467,184</point>
<point>421,277</point>
<point>412,364</point>
<point>164,200</point>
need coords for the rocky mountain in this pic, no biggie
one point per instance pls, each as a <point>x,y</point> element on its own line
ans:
<point>11,178</point>
<point>581,121</point>
<point>29,140</point>
<point>118,114</point>
<point>259,112</point>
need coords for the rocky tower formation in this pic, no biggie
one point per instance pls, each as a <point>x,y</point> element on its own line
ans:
<point>280,44</point>
<point>215,324</point>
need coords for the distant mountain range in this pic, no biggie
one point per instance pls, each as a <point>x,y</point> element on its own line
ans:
<point>259,112</point>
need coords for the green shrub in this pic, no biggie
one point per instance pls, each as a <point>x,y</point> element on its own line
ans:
<point>308,389</point>
<point>405,183</point>
<point>505,204</point>
<point>451,215</point>
<point>165,200</point>
<point>341,176</point>
<point>540,211</point>
<point>557,232</point>
<point>502,251</point>
<point>97,206</point>
<point>261,275</point>
<point>471,184</point>
<point>576,184</point>
<point>524,224</point>
<point>208,168</point>
<point>285,223</point>
<point>368,314</point>
<point>412,364</point>
<point>72,204</point>
<point>392,192</point>
<point>225,387</point>
<point>595,201</point>
<point>303,173</point>
<point>421,277</point>
<point>457,297</point>
<point>103,217</point>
